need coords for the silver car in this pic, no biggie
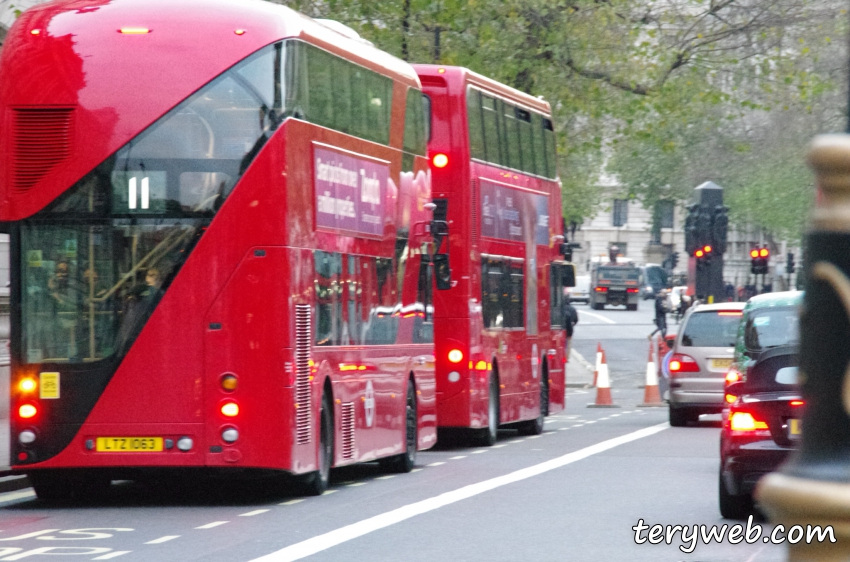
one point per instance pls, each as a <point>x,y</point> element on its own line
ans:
<point>702,353</point>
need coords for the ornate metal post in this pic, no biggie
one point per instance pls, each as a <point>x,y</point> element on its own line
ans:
<point>813,487</point>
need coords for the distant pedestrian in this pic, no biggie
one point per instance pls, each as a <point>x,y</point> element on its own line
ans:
<point>570,320</point>
<point>661,308</point>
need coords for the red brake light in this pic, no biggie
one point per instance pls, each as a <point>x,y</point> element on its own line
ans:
<point>601,289</point>
<point>455,356</point>
<point>744,421</point>
<point>730,398</point>
<point>440,160</point>
<point>27,411</point>
<point>230,409</point>
<point>681,363</point>
<point>797,403</point>
<point>632,290</point>
<point>732,376</point>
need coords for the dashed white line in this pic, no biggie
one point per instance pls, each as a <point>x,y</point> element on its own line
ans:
<point>534,437</point>
<point>292,502</point>
<point>498,446</point>
<point>161,540</point>
<point>479,451</point>
<point>328,492</point>
<point>563,428</point>
<point>457,458</point>
<point>435,463</point>
<point>387,477</point>
<point>253,513</point>
<point>12,496</point>
<point>355,484</point>
<point>416,470</point>
<point>592,421</point>
<point>211,525</point>
<point>112,555</point>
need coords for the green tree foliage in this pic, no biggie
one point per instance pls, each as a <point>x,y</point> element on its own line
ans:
<point>663,93</point>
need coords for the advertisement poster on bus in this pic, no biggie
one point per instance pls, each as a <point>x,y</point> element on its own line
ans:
<point>506,213</point>
<point>350,192</point>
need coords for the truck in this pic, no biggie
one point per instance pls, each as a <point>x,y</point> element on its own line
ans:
<point>614,284</point>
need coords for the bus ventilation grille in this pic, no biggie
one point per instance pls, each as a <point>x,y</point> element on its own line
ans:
<point>42,138</point>
<point>348,430</point>
<point>302,373</point>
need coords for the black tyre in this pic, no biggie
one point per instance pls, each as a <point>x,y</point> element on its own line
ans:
<point>316,483</point>
<point>407,460</point>
<point>679,416</point>
<point>733,506</point>
<point>487,436</point>
<point>598,306</point>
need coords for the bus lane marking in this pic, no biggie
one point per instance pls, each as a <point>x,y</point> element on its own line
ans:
<point>112,555</point>
<point>161,540</point>
<point>597,316</point>
<point>211,525</point>
<point>257,512</point>
<point>57,550</point>
<point>14,496</point>
<point>336,537</point>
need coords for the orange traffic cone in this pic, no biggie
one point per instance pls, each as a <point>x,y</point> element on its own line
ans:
<point>598,362</point>
<point>651,395</point>
<point>603,387</point>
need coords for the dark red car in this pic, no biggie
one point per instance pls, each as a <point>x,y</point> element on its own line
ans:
<point>760,428</point>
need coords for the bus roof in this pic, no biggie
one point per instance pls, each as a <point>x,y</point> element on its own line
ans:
<point>73,55</point>
<point>459,73</point>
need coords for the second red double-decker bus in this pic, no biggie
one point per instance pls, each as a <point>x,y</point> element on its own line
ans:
<point>500,340</point>
<point>218,212</point>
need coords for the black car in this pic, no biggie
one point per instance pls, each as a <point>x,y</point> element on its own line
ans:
<point>760,428</point>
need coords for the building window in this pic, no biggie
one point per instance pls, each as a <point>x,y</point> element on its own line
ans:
<point>621,212</point>
<point>665,212</point>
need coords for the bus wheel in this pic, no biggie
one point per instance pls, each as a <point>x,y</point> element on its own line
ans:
<point>487,436</point>
<point>317,482</point>
<point>407,460</point>
<point>535,426</point>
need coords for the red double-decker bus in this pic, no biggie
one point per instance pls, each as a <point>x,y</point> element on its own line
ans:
<point>218,213</point>
<point>500,340</point>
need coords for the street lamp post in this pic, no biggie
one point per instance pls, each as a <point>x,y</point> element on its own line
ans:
<point>813,487</point>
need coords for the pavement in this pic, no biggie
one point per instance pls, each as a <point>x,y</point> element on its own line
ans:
<point>579,370</point>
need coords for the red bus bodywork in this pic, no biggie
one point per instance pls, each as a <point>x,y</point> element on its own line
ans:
<point>233,305</point>
<point>520,357</point>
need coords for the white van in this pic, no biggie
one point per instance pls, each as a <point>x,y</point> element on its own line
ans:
<point>581,292</point>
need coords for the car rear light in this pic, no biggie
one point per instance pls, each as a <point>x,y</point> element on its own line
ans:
<point>732,376</point>
<point>681,363</point>
<point>797,403</point>
<point>745,423</point>
<point>730,398</point>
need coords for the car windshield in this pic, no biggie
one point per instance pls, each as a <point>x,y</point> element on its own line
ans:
<point>712,328</point>
<point>772,327</point>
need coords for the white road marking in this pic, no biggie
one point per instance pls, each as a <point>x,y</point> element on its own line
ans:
<point>211,525</point>
<point>498,446</point>
<point>457,458</point>
<point>591,421</point>
<point>416,470</point>
<point>12,496</point>
<point>293,502</point>
<point>479,451</point>
<point>387,477</point>
<point>435,463</point>
<point>533,437</point>
<point>597,316</point>
<point>516,441</point>
<point>355,484</point>
<point>326,493</point>
<point>112,555</point>
<point>255,512</point>
<point>563,428</point>
<point>333,538</point>
<point>161,540</point>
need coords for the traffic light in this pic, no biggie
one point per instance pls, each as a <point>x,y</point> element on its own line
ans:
<point>703,256</point>
<point>758,260</point>
<point>720,228</point>
<point>691,243</point>
<point>789,265</point>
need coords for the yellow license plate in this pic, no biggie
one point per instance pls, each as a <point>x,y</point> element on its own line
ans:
<point>721,363</point>
<point>128,444</point>
<point>794,427</point>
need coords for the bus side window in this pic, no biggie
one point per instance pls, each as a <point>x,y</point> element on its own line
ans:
<point>328,300</point>
<point>513,286</point>
<point>354,303</point>
<point>423,331</point>
<point>492,300</point>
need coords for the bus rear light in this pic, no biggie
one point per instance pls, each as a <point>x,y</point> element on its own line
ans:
<point>239,32</point>
<point>601,289</point>
<point>632,290</point>
<point>454,376</point>
<point>481,366</point>
<point>229,382</point>
<point>230,435</point>
<point>27,385</point>
<point>185,444</point>
<point>455,356</point>
<point>134,31</point>
<point>797,403</point>
<point>229,409</point>
<point>23,455</point>
<point>440,160</point>
<point>35,32</point>
<point>27,411</point>
<point>681,363</point>
<point>26,437</point>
